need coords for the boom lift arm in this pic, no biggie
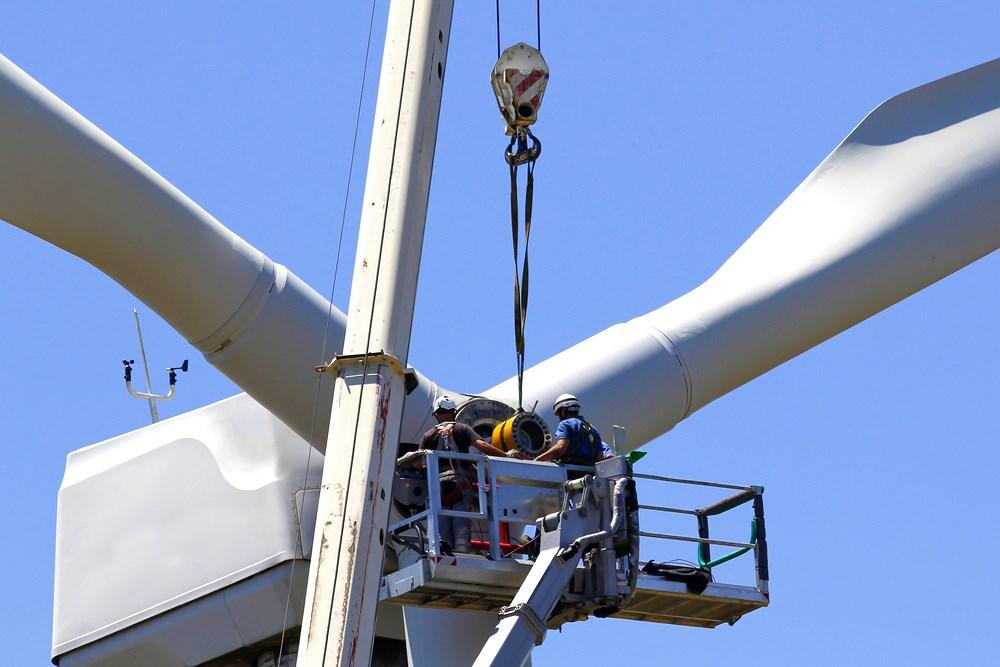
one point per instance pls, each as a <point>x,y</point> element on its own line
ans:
<point>598,525</point>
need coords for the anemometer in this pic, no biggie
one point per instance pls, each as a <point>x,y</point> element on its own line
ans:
<point>148,395</point>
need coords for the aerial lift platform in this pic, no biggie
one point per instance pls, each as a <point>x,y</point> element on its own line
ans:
<point>507,570</point>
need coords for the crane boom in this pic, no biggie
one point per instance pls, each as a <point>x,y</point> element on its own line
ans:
<point>352,517</point>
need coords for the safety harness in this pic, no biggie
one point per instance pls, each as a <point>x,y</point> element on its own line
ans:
<point>574,457</point>
<point>455,482</point>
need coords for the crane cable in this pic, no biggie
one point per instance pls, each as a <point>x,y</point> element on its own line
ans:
<point>519,80</point>
<point>311,441</point>
<point>538,26</point>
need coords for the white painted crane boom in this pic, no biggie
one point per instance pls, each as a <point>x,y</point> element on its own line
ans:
<point>355,496</point>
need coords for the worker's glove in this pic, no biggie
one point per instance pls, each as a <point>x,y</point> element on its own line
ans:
<point>513,454</point>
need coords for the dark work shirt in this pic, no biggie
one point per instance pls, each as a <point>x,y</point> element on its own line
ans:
<point>453,436</point>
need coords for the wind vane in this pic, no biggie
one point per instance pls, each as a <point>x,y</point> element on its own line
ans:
<point>148,395</point>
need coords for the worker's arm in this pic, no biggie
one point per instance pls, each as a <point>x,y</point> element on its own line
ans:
<point>555,451</point>
<point>470,436</point>
<point>487,448</point>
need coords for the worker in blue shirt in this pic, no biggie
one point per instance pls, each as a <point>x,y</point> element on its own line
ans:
<point>577,442</point>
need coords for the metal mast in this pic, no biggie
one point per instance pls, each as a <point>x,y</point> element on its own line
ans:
<point>339,622</point>
<point>154,414</point>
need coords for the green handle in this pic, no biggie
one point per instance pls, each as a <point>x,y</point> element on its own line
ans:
<point>728,557</point>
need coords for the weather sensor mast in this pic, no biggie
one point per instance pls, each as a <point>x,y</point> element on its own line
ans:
<point>148,395</point>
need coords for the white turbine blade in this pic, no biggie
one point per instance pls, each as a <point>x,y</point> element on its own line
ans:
<point>912,195</point>
<point>64,180</point>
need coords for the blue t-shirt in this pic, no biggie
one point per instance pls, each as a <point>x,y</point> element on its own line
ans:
<point>584,448</point>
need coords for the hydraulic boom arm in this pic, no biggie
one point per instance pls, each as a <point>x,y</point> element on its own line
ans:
<point>598,525</point>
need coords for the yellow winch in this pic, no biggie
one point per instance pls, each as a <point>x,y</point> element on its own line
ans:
<point>525,432</point>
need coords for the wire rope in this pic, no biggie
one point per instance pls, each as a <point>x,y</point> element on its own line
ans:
<point>371,320</point>
<point>498,29</point>
<point>538,24</point>
<point>523,155</point>
<point>329,316</point>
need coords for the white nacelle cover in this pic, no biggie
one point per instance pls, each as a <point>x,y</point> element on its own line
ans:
<point>156,518</point>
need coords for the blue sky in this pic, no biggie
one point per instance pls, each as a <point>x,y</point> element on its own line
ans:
<point>671,131</point>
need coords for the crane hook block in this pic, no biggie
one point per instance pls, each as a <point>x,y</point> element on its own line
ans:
<point>519,80</point>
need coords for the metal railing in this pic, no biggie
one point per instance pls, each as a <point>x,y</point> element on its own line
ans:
<point>432,465</point>
<point>745,494</point>
<point>511,491</point>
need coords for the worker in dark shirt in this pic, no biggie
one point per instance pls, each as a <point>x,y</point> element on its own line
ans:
<point>456,477</point>
<point>577,442</point>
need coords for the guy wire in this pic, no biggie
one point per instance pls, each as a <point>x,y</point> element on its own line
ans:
<point>371,318</point>
<point>329,315</point>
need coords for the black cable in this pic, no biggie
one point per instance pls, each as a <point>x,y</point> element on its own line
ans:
<point>329,314</point>
<point>538,23</point>
<point>371,321</point>
<point>407,543</point>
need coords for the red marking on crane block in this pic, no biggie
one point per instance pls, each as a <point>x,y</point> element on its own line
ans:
<point>522,82</point>
<point>527,85</point>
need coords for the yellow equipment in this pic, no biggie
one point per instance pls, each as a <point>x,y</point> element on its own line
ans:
<point>525,432</point>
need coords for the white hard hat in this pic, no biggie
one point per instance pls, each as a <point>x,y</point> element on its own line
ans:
<point>444,403</point>
<point>567,401</point>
